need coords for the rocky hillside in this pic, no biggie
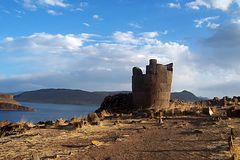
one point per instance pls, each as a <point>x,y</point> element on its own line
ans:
<point>185,96</point>
<point>63,96</point>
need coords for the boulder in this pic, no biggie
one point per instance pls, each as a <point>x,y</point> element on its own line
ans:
<point>104,114</point>
<point>207,111</point>
<point>75,119</point>
<point>235,132</point>
<point>93,119</point>
<point>35,157</point>
<point>210,111</point>
<point>60,122</point>
<point>142,114</point>
<point>216,101</point>
<point>4,123</point>
<point>48,123</point>
<point>29,125</point>
<point>13,129</point>
<point>233,112</point>
<point>178,112</point>
<point>77,125</point>
<point>76,122</point>
<point>119,103</point>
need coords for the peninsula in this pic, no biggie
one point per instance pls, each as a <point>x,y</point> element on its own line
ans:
<point>7,103</point>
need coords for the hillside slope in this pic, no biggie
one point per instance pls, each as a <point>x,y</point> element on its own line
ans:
<point>185,96</point>
<point>63,96</point>
<point>68,96</point>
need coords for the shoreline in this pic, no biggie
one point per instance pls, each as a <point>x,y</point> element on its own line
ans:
<point>44,112</point>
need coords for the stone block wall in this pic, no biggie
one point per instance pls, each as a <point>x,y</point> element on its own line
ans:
<point>152,90</point>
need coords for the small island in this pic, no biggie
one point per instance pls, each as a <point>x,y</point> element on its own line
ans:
<point>7,103</point>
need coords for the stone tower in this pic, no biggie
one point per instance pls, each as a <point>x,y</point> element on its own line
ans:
<point>152,90</point>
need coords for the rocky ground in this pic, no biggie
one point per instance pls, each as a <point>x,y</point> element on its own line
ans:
<point>125,137</point>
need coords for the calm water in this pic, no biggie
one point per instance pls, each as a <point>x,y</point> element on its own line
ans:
<point>46,112</point>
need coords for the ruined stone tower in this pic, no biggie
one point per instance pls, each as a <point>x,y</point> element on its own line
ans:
<point>152,90</point>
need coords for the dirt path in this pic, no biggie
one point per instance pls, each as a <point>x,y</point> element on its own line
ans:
<point>178,138</point>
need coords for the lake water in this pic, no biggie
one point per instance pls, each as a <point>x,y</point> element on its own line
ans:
<point>46,112</point>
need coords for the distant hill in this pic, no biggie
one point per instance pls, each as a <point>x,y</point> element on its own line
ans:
<point>64,96</point>
<point>68,96</point>
<point>186,96</point>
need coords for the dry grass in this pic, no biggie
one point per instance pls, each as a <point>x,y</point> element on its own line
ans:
<point>178,138</point>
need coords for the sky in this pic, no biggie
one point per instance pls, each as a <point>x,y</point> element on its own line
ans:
<point>93,44</point>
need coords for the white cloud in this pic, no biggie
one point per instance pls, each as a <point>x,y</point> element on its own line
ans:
<point>83,4</point>
<point>208,21</point>
<point>86,24</point>
<point>19,12</point>
<point>223,5</point>
<point>144,38</point>
<point>97,17</point>
<point>213,25</point>
<point>29,4</point>
<point>125,37</point>
<point>150,34</point>
<point>174,5</point>
<point>6,11</point>
<point>135,25</point>
<point>100,69</point>
<point>163,32</point>
<point>81,7</point>
<point>54,13</point>
<point>8,39</point>
<point>236,21</point>
<point>78,9</point>
<point>59,3</point>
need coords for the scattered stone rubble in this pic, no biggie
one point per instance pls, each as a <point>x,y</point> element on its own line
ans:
<point>122,103</point>
<point>13,129</point>
<point>8,129</point>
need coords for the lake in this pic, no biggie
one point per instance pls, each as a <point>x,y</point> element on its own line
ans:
<point>46,112</point>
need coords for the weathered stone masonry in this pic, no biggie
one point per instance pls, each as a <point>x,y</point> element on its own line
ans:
<point>152,90</point>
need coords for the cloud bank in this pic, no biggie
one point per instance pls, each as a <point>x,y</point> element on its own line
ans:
<point>222,55</point>
<point>88,61</point>
<point>96,62</point>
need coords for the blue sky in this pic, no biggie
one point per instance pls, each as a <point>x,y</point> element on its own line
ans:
<point>93,45</point>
